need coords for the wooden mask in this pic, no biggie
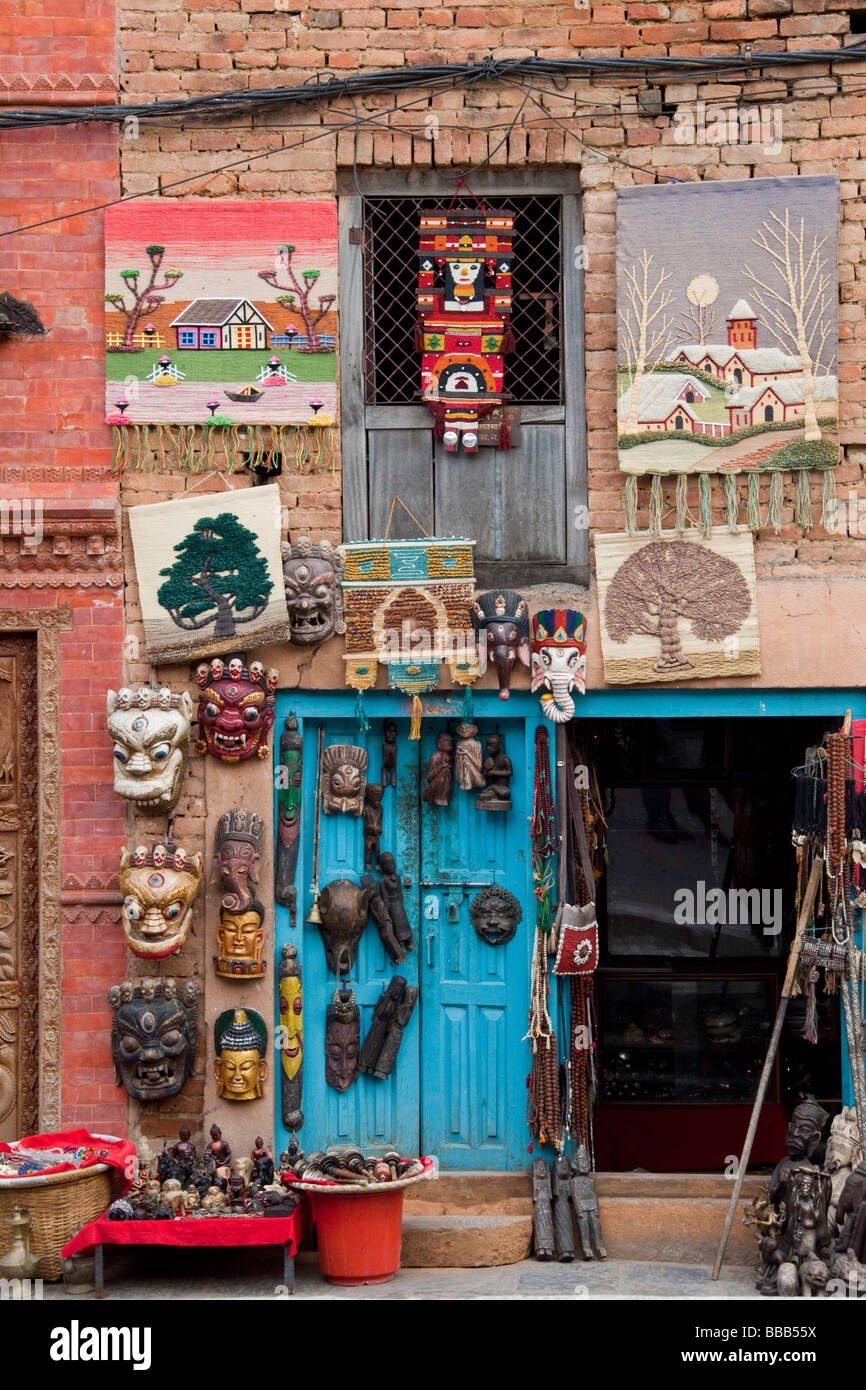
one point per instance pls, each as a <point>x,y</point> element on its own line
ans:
<point>240,1043</point>
<point>159,886</point>
<point>344,779</point>
<point>344,907</point>
<point>314,597</point>
<point>150,729</point>
<point>235,709</point>
<point>237,857</point>
<point>154,1035</point>
<point>342,1040</point>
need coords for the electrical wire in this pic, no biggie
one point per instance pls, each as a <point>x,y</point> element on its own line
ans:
<point>327,87</point>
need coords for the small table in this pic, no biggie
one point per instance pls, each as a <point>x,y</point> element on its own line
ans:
<point>191,1231</point>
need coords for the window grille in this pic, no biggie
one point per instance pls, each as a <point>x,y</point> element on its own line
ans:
<point>392,367</point>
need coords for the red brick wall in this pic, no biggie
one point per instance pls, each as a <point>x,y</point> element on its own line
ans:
<point>57,37</point>
<point>54,444</point>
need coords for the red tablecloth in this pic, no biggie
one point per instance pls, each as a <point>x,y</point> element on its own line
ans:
<point>194,1230</point>
<point>119,1153</point>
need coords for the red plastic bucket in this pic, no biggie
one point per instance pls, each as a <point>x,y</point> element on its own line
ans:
<point>359,1236</point>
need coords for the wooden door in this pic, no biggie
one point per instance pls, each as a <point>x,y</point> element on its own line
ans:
<point>19,893</point>
<point>525,506</point>
<point>475,995</point>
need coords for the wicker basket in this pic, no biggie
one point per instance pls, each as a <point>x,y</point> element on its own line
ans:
<point>58,1203</point>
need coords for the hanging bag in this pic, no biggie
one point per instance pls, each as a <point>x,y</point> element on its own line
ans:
<point>577,927</point>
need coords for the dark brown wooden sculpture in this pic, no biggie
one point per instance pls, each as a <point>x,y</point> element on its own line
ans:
<point>501,621</point>
<point>542,1210</point>
<point>394,1037</point>
<point>495,913</point>
<point>389,753</point>
<point>498,770</point>
<point>154,1034</point>
<point>344,778</point>
<point>562,1227</point>
<point>342,1040</point>
<point>237,857</point>
<point>584,1199</point>
<point>344,907</point>
<point>439,777</point>
<point>385,1008</point>
<point>373,818</point>
<point>384,925</point>
<point>391,889</point>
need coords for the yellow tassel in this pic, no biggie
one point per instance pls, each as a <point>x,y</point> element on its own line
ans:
<point>417,711</point>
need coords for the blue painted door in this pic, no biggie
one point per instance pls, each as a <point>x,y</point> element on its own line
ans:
<point>475,996</point>
<point>458,1086</point>
<point>373,1115</point>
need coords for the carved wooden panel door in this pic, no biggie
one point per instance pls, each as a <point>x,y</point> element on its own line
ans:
<point>19,888</point>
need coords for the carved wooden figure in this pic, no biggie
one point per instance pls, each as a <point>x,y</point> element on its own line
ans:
<point>382,919</point>
<point>291,1039</point>
<point>394,1037</point>
<point>373,819</point>
<point>389,754</point>
<point>439,777</point>
<point>391,889</point>
<point>499,771</point>
<point>469,758</point>
<point>383,1012</point>
<point>563,1231</point>
<point>542,1210</point>
<point>584,1199</point>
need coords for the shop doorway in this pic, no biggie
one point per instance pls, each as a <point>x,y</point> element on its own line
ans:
<point>697,912</point>
<point>457,1088</point>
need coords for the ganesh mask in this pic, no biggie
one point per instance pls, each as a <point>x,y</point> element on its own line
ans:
<point>154,1035</point>
<point>159,887</point>
<point>501,622</point>
<point>235,709</point>
<point>150,729</point>
<point>558,660</point>
<point>314,597</point>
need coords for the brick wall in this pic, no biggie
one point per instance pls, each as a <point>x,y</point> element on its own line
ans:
<point>218,45</point>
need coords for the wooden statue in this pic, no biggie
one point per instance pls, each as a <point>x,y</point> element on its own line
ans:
<point>290,774</point>
<point>584,1199</point>
<point>542,1210</point>
<point>383,1012</point>
<point>384,925</point>
<point>391,889</point>
<point>389,753</point>
<point>497,767</point>
<point>563,1230</point>
<point>439,777</point>
<point>394,1037</point>
<point>373,818</point>
<point>469,758</point>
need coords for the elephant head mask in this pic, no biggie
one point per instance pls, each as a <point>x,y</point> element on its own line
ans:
<point>558,660</point>
<point>501,622</point>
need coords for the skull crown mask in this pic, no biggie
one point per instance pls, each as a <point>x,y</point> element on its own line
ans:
<point>159,886</point>
<point>150,729</point>
<point>235,709</point>
<point>154,1034</point>
<point>312,576</point>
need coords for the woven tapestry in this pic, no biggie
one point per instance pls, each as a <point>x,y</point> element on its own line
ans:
<point>727,297</point>
<point>408,604</point>
<point>464,322</point>
<point>678,606</point>
<point>220,312</point>
<point>209,572</point>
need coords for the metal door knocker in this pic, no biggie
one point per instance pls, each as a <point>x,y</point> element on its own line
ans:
<point>495,913</point>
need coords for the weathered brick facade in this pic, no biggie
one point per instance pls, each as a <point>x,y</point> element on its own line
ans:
<point>601,130</point>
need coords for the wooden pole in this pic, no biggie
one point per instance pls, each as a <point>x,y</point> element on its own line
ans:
<point>793,960</point>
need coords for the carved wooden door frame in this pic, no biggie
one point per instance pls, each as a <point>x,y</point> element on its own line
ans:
<point>46,624</point>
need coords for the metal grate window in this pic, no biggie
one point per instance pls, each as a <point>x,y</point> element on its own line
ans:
<point>392,367</point>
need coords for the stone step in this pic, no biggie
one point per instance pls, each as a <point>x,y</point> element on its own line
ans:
<point>464,1241</point>
<point>459,1190</point>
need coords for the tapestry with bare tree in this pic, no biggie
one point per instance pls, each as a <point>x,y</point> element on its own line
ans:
<point>727,298</point>
<point>677,607</point>
<point>220,312</point>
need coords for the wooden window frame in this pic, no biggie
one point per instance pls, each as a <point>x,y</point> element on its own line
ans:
<point>357,417</point>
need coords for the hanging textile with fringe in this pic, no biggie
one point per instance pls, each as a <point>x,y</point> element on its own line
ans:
<point>727,344</point>
<point>544,1111</point>
<point>222,446</point>
<point>408,605</point>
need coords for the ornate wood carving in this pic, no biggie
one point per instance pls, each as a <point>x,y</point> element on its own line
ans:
<point>59,546</point>
<point>41,1022</point>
